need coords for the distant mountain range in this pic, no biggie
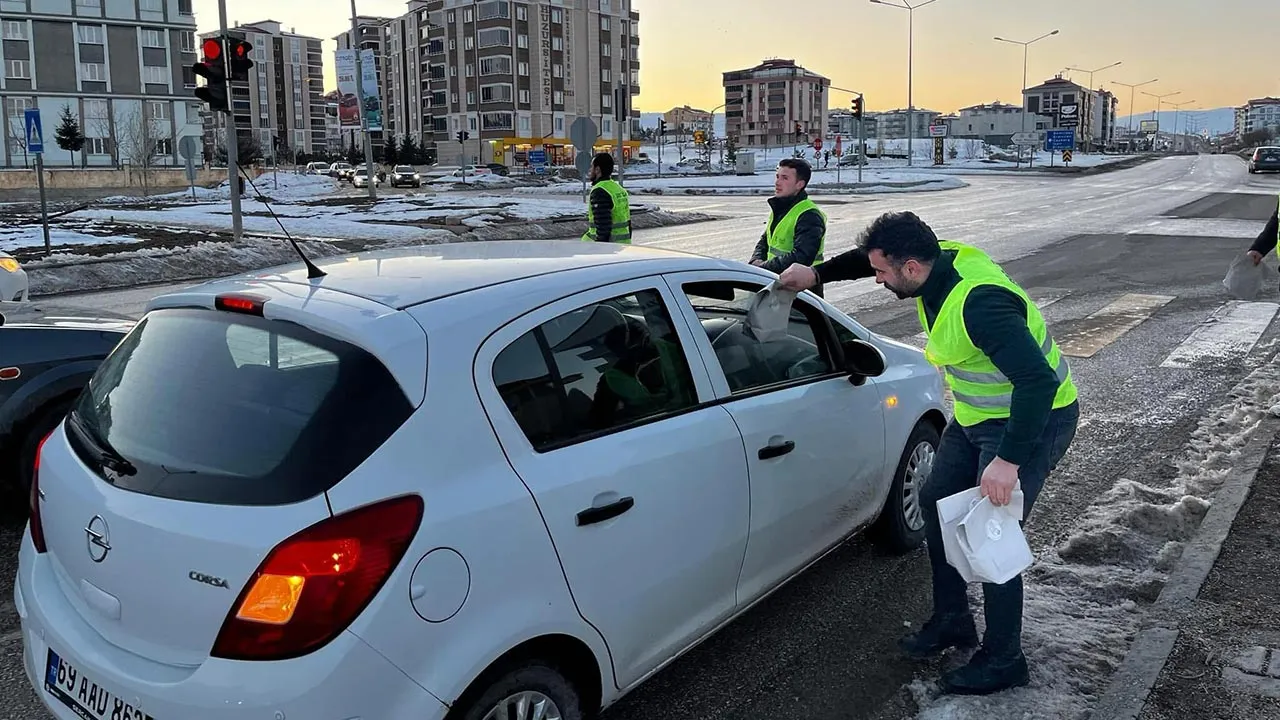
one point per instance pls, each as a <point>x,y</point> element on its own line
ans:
<point>1216,121</point>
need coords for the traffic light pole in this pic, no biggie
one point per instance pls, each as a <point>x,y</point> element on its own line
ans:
<point>364,116</point>
<point>233,144</point>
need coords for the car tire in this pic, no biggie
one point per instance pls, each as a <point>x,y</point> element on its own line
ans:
<point>33,432</point>
<point>900,527</point>
<point>535,680</point>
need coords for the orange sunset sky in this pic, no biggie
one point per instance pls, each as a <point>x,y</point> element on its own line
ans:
<point>1210,50</point>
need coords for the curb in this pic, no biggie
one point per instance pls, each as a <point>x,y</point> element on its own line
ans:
<point>1131,684</point>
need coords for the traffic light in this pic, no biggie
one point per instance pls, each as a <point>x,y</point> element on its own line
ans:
<point>463,135</point>
<point>238,58</point>
<point>857,107</point>
<point>662,127</point>
<point>213,70</point>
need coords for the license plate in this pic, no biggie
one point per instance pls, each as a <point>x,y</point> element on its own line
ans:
<point>85,697</point>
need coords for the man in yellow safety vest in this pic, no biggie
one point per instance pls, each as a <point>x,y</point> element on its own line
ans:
<point>1015,416</point>
<point>796,231</point>
<point>608,206</point>
<point>1269,238</point>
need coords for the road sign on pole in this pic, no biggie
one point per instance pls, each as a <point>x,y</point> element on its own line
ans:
<point>937,131</point>
<point>817,143</point>
<point>35,135</point>
<point>1063,139</point>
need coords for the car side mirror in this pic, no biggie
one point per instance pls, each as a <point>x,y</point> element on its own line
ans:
<point>863,360</point>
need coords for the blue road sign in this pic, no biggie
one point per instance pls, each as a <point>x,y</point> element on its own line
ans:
<point>1060,139</point>
<point>35,136</point>
<point>537,157</point>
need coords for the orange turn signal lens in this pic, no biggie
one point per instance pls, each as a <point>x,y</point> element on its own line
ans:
<point>272,599</point>
<point>9,264</point>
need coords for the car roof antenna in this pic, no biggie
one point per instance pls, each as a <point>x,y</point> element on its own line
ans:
<point>313,272</point>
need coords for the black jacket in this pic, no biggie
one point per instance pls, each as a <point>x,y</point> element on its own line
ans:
<point>1266,241</point>
<point>997,322</point>
<point>810,227</point>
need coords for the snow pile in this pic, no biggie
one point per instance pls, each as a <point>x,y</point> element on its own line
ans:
<point>846,182</point>
<point>1082,605</point>
<point>26,236</point>
<point>289,186</point>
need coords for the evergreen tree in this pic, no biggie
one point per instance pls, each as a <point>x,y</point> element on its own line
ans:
<point>409,152</point>
<point>69,136</point>
<point>390,153</point>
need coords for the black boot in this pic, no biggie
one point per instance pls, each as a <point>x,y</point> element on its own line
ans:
<point>987,673</point>
<point>939,633</point>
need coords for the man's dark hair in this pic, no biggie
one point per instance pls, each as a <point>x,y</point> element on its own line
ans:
<point>803,171</point>
<point>604,161</point>
<point>901,236</point>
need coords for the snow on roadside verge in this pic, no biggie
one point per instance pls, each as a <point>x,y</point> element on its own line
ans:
<point>1080,615</point>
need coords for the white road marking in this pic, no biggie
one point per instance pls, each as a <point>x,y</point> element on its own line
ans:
<point>1111,323</point>
<point>696,208</point>
<point>1232,332</point>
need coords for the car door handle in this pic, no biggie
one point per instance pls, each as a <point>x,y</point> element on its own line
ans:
<point>768,452</point>
<point>593,515</point>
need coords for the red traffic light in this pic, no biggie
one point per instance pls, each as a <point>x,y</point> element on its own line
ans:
<point>240,50</point>
<point>212,48</point>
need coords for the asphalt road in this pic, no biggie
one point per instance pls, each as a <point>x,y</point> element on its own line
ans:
<point>1127,266</point>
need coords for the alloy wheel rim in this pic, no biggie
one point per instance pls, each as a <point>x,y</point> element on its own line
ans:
<point>919,466</point>
<point>525,705</point>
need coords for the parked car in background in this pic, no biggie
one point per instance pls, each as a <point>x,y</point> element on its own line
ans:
<point>317,168</point>
<point>313,497</point>
<point>470,170</point>
<point>44,364</point>
<point>13,279</point>
<point>498,169</point>
<point>361,177</point>
<point>405,175</point>
<point>1265,159</point>
<point>341,170</point>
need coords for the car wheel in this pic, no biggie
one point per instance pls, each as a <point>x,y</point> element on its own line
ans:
<point>900,526</point>
<point>534,691</point>
<point>41,425</point>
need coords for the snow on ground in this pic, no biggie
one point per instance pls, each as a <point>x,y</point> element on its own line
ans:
<point>489,179</point>
<point>1079,616</point>
<point>275,185</point>
<point>873,181</point>
<point>25,236</point>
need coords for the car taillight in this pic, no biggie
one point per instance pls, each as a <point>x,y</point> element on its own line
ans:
<point>313,585</point>
<point>37,527</point>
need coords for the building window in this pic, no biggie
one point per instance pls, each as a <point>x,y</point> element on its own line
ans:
<point>452,18</point>
<point>185,8</point>
<point>469,43</point>
<point>604,22</point>
<point>89,4</point>
<point>453,44</point>
<point>606,102</point>
<point>522,41</point>
<point>155,75</point>
<point>18,69</point>
<point>158,109</point>
<point>557,97</point>
<point>15,107</point>
<point>494,9</point>
<point>524,97</point>
<point>188,40</point>
<point>524,69</point>
<point>467,16</point>
<point>557,43</point>
<point>97,145</point>
<point>151,5</point>
<point>153,38</point>
<point>522,13</point>
<point>495,93</point>
<point>606,50</point>
<point>495,36</point>
<point>559,124</point>
<point>92,34</point>
<point>526,125</point>
<point>557,70</point>
<point>471,70</point>
<point>605,75</point>
<point>497,121</point>
<point>557,16</point>
<point>496,65</point>
<point>15,30</point>
<point>164,147</point>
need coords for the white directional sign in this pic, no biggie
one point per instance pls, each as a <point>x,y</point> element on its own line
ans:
<point>1031,137</point>
<point>937,131</point>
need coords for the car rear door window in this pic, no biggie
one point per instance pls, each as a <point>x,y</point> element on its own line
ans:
<point>749,365</point>
<point>596,369</point>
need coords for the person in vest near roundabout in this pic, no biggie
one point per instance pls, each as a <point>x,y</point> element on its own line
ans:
<point>608,206</point>
<point>1015,415</point>
<point>797,229</point>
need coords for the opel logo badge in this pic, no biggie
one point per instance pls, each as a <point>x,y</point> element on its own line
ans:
<point>99,544</point>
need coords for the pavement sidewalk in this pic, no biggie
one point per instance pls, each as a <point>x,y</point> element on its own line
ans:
<point>1225,664</point>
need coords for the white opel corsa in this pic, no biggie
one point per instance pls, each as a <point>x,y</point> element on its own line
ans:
<point>474,481</point>
<point>13,279</point>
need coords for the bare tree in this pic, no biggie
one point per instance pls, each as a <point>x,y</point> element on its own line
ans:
<point>17,137</point>
<point>140,140</point>
<point>102,130</point>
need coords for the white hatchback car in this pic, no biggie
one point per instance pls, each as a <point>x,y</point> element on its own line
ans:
<point>13,279</point>
<point>475,481</point>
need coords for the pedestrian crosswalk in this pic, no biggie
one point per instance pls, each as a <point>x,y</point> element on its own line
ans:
<point>1231,330</point>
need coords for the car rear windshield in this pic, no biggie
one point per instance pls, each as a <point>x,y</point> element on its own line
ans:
<point>1269,154</point>
<point>233,409</point>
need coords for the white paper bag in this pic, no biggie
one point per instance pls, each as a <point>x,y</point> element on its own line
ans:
<point>769,314</point>
<point>951,510</point>
<point>1244,279</point>
<point>992,541</point>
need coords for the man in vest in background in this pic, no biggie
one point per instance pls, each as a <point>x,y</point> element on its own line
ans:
<point>1268,239</point>
<point>1015,416</point>
<point>608,207</point>
<point>796,231</point>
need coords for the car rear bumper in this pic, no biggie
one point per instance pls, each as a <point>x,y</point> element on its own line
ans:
<point>346,679</point>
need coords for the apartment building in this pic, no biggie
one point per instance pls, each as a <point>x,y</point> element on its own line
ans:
<point>687,119</point>
<point>764,104</point>
<point>407,109</point>
<point>122,68</point>
<point>1258,114</point>
<point>1096,113</point>
<point>281,107</point>
<point>894,124</point>
<point>371,33</point>
<point>994,123</point>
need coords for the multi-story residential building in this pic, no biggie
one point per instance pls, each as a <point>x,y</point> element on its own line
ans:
<point>1096,114</point>
<point>123,70</point>
<point>1106,106</point>
<point>994,123</point>
<point>892,124</point>
<point>332,126</point>
<point>687,119</point>
<point>842,123</point>
<point>372,35</point>
<point>516,75</point>
<point>281,107</point>
<point>407,109</point>
<point>1258,114</point>
<point>765,105</point>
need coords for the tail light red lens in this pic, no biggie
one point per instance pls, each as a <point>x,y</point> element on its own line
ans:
<point>313,585</point>
<point>37,527</point>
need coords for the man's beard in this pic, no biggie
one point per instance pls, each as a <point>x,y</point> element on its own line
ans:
<point>902,294</point>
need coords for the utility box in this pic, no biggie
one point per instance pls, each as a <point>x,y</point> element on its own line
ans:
<point>746,163</point>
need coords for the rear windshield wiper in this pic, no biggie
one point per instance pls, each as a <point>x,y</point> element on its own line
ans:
<point>108,456</point>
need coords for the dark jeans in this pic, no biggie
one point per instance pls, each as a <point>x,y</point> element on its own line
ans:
<point>962,456</point>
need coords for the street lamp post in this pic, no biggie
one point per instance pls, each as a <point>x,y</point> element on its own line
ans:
<point>1025,48</point>
<point>1156,116</point>
<point>1132,87</point>
<point>861,140</point>
<point>911,108</point>
<point>1089,138</point>
<point>1177,110</point>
